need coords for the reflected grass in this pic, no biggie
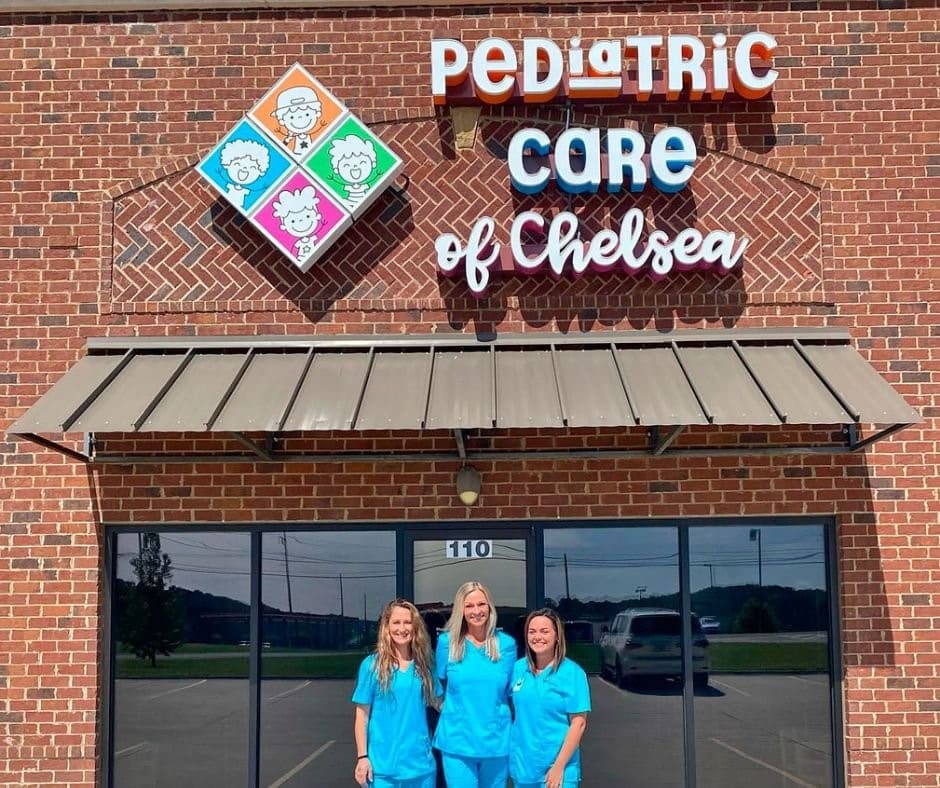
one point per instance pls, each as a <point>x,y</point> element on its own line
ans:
<point>199,661</point>
<point>736,657</point>
<point>769,657</point>
<point>186,665</point>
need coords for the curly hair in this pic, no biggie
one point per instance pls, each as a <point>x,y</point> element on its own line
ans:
<point>297,200</point>
<point>238,149</point>
<point>385,660</point>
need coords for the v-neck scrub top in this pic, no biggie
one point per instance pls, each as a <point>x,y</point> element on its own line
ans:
<point>475,717</point>
<point>397,738</point>
<point>542,704</point>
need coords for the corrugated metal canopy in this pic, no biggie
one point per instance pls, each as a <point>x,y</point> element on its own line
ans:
<point>457,382</point>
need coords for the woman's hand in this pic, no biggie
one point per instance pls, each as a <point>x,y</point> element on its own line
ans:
<point>363,773</point>
<point>555,776</point>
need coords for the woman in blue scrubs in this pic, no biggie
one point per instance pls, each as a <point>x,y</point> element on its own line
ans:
<point>551,699</point>
<point>474,660</point>
<point>395,685</point>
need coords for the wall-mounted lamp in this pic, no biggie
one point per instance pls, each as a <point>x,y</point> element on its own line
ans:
<point>468,485</point>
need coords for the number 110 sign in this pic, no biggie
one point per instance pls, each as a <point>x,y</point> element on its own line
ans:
<point>470,548</point>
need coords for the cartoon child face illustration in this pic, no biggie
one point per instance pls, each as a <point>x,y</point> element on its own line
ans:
<point>353,160</point>
<point>298,112</point>
<point>299,215</point>
<point>244,161</point>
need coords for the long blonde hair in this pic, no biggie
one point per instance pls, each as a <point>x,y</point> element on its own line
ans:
<point>386,662</point>
<point>457,625</point>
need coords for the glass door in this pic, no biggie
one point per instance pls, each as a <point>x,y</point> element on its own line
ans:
<point>442,559</point>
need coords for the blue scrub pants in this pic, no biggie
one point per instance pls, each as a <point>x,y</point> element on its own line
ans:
<point>463,772</point>
<point>419,782</point>
<point>542,785</point>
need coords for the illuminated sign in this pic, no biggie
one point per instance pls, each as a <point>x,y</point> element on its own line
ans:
<point>300,167</point>
<point>582,161</point>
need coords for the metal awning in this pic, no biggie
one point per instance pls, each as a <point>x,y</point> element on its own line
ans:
<point>277,385</point>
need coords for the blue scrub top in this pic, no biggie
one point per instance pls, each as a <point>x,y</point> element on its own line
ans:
<point>542,704</point>
<point>398,742</point>
<point>475,718</point>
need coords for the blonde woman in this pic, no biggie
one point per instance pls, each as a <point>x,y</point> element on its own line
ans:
<point>395,685</point>
<point>474,661</point>
<point>551,699</point>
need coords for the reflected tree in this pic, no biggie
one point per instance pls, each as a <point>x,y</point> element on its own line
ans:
<point>756,616</point>
<point>152,620</point>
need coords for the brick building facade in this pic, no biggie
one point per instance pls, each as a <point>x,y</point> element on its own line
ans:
<point>109,232</point>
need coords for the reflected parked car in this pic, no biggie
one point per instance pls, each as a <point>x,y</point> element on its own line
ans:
<point>579,631</point>
<point>710,625</point>
<point>646,642</point>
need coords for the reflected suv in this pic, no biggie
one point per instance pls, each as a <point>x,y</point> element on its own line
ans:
<point>645,642</point>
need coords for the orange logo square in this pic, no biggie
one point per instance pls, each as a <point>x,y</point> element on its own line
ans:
<point>297,112</point>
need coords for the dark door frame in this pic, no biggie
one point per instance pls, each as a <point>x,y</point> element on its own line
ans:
<point>530,530</point>
<point>484,530</point>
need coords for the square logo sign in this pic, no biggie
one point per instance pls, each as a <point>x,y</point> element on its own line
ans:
<point>301,219</point>
<point>300,167</point>
<point>244,166</point>
<point>297,112</point>
<point>354,165</point>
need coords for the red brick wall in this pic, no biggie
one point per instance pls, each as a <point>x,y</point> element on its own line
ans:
<point>107,113</point>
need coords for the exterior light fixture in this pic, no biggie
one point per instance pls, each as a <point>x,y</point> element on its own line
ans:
<point>468,485</point>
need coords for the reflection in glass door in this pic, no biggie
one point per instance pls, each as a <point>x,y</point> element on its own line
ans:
<point>321,595</point>
<point>181,625</point>
<point>618,591</point>
<point>762,600</point>
<point>443,560</point>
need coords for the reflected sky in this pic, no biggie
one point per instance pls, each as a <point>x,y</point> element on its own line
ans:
<point>603,563</point>
<point>612,563</point>
<point>359,566</point>
<point>437,576</point>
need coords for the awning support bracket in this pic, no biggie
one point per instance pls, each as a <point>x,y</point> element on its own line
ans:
<point>48,444</point>
<point>461,445</point>
<point>253,447</point>
<point>857,445</point>
<point>659,446</point>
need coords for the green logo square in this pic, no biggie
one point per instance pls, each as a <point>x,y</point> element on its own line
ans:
<point>354,165</point>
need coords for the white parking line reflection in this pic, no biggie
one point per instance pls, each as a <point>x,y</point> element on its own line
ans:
<point>791,777</point>
<point>130,750</point>
<point>284,778</point>
<point>733,689</point>
<point>291,691</point>
<point>177,689</point>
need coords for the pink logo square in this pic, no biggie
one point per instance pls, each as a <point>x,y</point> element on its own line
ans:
<point>301,218</point>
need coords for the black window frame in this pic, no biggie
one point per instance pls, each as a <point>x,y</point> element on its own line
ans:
<point>404,531</point>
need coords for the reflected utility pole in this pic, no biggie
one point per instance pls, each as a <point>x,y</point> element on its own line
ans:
<point>342,616</point>
<point>567,587</point>
<point>290,604</point>
<point>711,575</point>
<point>755,537</point>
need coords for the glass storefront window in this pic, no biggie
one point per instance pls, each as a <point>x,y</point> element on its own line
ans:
<point>761,597</point>
<point>758,713</point>
<point>321,595</point>
<point>443,563</point>
<point>618,591</point>
<point>181,626</point>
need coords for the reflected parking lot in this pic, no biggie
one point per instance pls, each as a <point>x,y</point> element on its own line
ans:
<point>754,732</point>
